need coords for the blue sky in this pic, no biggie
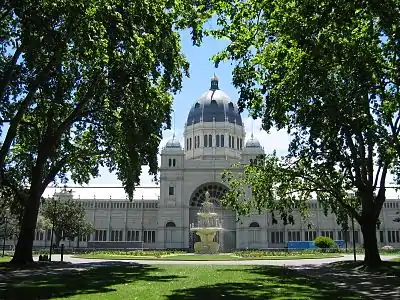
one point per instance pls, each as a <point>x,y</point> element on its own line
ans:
<point>201,70</point>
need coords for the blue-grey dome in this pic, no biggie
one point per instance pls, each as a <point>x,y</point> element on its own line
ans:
<point>253,143</point>
<point>214,105</point>
<point>173,143</point>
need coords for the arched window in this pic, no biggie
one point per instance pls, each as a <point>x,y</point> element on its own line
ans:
<point>217,140</point>
<point>210,140</point>
<point>205,140</point>
<point>254,225</point>
<point>190,143</point>
<point>222,141</point>
<point>170,224</point>
<point>174,162</point>
<point>169,162</point>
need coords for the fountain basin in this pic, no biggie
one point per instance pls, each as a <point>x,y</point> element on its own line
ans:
<point>206,244</point>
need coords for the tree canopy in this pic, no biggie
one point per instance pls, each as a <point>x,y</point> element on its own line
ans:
<point>84,84</point>
<point>327,72</point>
<point>68,218</point>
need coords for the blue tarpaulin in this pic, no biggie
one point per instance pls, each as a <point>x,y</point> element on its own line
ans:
<point>309,245</point>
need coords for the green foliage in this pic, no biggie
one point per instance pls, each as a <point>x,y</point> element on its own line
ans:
<point>9,226</point>
<point>327,72</point>
<point>138,253</point>
<point>85,84</point>
<point>68,218</point>
<point>272,253</point>
<point>324,242</point>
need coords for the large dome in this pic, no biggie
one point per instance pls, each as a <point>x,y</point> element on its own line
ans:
<point>214,105</point>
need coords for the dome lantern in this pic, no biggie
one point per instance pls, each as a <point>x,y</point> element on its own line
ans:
<point>214,83</point>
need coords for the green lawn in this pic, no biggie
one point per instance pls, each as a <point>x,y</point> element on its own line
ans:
<point>171,282</point>
<point>5,258</point>
<point>195,257</point>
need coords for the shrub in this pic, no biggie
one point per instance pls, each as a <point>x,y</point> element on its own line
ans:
<point>325,242</point>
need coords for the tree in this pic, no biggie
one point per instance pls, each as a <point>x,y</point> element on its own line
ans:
<point>327,72</point>
<point>83,84</point>
<point>68,218</point>
<point>9,226</point>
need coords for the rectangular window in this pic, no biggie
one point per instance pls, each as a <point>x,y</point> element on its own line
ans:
<point>327,234</point>
<point>149,236</point>
<point>171,191</point>
<point>217,140</point>
<point>230,141</point>
<point>393,236</point>
<point>344,236</point>
<point>116,235</point>
<point>222,140</point>
<point>241,144</point>
<point>356,237</point>
<point>294,236</point>
<point>210,143</point>
<point>205,140</point>
<point>277,237</point>
<point>310,235</point>
<point>100,235</point>
<point>174,162</point>
<point>237,143</point>
<point>169,162</point>
<point>381,237</point>
<point>233,142</point>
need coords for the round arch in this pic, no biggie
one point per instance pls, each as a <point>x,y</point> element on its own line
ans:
<point>215,189</point>
<point>254,225</point>
<point>170,224</point>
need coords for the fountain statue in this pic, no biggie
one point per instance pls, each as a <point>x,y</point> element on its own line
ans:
<point>207,227</point>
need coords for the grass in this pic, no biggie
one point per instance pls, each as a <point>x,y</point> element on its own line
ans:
<point>396,259</point>
<point>386,268</point>
<point>5,258</point>
<point>194,257</point>
<point>171,282</point>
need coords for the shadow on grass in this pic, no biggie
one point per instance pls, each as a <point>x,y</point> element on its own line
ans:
<point>75,279</point>
<point>376,283</point>
<point>269,283</point>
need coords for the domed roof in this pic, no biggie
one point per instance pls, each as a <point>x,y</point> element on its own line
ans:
<point>253,143</point>
<point>214,105</point>
<point>173,143</point>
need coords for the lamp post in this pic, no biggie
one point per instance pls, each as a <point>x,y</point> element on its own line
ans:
<point>354,239</point>
<point>5,231</point>
<point>52,229</point>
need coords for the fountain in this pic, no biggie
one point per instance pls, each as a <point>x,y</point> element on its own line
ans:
<point>208,225</point>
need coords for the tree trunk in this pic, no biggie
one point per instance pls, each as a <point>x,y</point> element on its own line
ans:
<point>372,257</point>
<point>23,251</point>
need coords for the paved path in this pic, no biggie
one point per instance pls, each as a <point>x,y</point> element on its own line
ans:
<point>288,263</point>
<point>372,286</point>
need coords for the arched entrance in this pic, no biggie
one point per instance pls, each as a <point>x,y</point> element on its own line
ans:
<point>226,238</point>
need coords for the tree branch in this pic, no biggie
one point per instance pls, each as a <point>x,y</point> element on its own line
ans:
<point>53,172</point>
<point>8,73</point>
<point>12,130</point>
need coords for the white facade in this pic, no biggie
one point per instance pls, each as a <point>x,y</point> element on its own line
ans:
<point>214,139</point>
